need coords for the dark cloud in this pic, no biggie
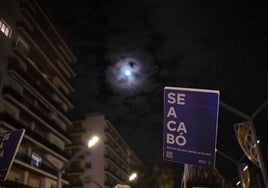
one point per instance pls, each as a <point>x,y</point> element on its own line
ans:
<point>199,44</point>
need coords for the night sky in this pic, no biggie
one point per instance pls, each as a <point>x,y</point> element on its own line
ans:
<point>218,45</point>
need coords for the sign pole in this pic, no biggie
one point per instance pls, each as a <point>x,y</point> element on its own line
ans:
<point>260,158</point>
<point>185,173</point>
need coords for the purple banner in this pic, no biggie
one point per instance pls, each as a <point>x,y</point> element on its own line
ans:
<point>190,125</point>
<point>9,143</point>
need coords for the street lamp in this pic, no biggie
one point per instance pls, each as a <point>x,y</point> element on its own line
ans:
<point>131,178</point>
<point>92,142</point>
<point>250,120</point>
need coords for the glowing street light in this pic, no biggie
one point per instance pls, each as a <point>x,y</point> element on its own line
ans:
<point>245,168</point>
<point>93,141</point>
<point>133,176</point>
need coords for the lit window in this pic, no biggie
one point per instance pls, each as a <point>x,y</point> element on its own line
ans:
<point>36,160</point>
<point>5,29</point>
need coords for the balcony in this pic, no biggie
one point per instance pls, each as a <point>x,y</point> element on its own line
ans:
<point>40,62</point>
<point>75,170</point>
<point>75,145</point>
<point>41,23</point>
<point>116,163</point>
<point>18,125</point>
<point>88,165</point>
<point>47,51</point>
<point>77,183</point>
<point>110,173</point>
<point>26,159</point>
<point>27,11</point>
<point>9,91</point>
<point>109,184</point>
<point>32,80</point>
<point>9,183</point>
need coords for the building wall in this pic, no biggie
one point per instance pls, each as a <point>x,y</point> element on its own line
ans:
<point>96,126</point>
<point>35,74</point>
<point>111,160</point>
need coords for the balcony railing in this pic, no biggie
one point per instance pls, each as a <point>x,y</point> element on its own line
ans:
<point>9,183</point>
<point>13,66</point>
<point>10,91</point>
<point>76,169</point>
<point>111,173</point>
<point>88,165</point>
<point>75,144</point>
<point>77,183</point>
<point>16,124</point>
<point>48,32</point>
<point>120,166</point>
<point>44,46</point>
<point>26,159</point>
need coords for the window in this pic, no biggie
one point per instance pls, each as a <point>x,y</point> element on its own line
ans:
<point>87,179</point>
<point>36,160</point>
<point>5,29</point>
<point>88,165</point>
<point>22,45</point>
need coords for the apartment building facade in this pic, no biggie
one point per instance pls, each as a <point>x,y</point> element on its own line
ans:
<point>109,163</point>
<point>35,87</point>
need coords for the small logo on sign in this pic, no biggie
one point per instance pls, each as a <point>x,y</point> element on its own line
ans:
<point>169,154</point>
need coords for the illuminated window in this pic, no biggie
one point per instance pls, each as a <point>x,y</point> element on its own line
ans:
<point>5,29</point>
<point>36,160</point>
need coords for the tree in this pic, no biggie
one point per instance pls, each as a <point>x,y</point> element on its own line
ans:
<point>158,174</point>
<point>202,176</point>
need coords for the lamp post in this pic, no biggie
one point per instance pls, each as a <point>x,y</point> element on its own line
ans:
<point>242,168</point>
<point>250,119</point>
<point>90,144</point>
